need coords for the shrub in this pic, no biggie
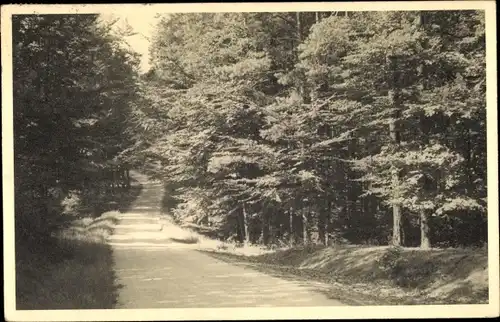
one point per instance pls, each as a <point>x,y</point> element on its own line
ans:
<point>392,262</point>
<point>71,203</point>
<point>403,272</point>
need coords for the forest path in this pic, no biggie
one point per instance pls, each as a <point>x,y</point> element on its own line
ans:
<point>155,269</point>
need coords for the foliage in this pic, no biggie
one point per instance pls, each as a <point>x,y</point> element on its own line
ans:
<point>278,126</point>
<point>74,82</point>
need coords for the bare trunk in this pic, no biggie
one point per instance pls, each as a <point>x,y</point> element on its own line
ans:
<point>299,38</point>
<point>305,230</point>
<point>328,224</point>
<point>299,27</point>
<point>394,99</point>
<point>270,231</point>
<point>262,232</point>
<point>114,181</point>
<point>424,219</point>
<point>239,229</point>
<point>245,225</point>
<point>322,226</point>
<point>469,156</point>
<point>425,242</point>
<point>396,226</point>
<point>127,173</point>
<point>291,228</point>
<point>396,214</point>
<point>265,228</point>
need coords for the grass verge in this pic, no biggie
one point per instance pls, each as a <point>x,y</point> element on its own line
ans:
<point>365,275</point>
<point>359,275</point>
<point>70,270</point>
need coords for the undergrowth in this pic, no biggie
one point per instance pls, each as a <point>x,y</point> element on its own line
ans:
<point>69,270</point>
<point>399,270</point>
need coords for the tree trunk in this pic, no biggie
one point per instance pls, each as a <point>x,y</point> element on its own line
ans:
<point>299,38</point>
<point>305,226</point>
<point>396,226</point>
<point>299,27</point>
<point>394,99</point>
<point>114,181</point>
<point>322,226</point>
<point>271,232</point>
<point>328,223</point>
<point>292,236</point>
<point>424,219</point>
<point>262,232</point>
<point>468,156</point>
<point>239,229</point>
<point>127,173</point>
<point>396,208</point>
<point>245,225</point>
<point>265,228</point>
<point>425,242</point>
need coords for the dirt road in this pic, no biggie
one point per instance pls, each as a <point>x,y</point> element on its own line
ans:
<point>158,269</point>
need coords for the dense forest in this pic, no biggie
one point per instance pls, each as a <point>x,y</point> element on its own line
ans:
<point>270,128</point>
<point>321,127</point>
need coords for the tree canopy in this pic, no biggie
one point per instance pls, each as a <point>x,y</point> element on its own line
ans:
<point>313,126</point>
<point>74,84</point>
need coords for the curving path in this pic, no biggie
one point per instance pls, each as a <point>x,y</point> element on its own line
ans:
<point>156,270</point>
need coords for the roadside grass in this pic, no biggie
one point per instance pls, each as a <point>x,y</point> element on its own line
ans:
<point>73,268</point>
<point>69,270</point>
<point>364,275</point>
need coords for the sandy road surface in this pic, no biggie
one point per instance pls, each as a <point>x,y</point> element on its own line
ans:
<point>156,270</point>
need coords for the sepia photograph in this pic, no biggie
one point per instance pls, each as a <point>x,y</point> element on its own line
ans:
<point>244,161</point>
